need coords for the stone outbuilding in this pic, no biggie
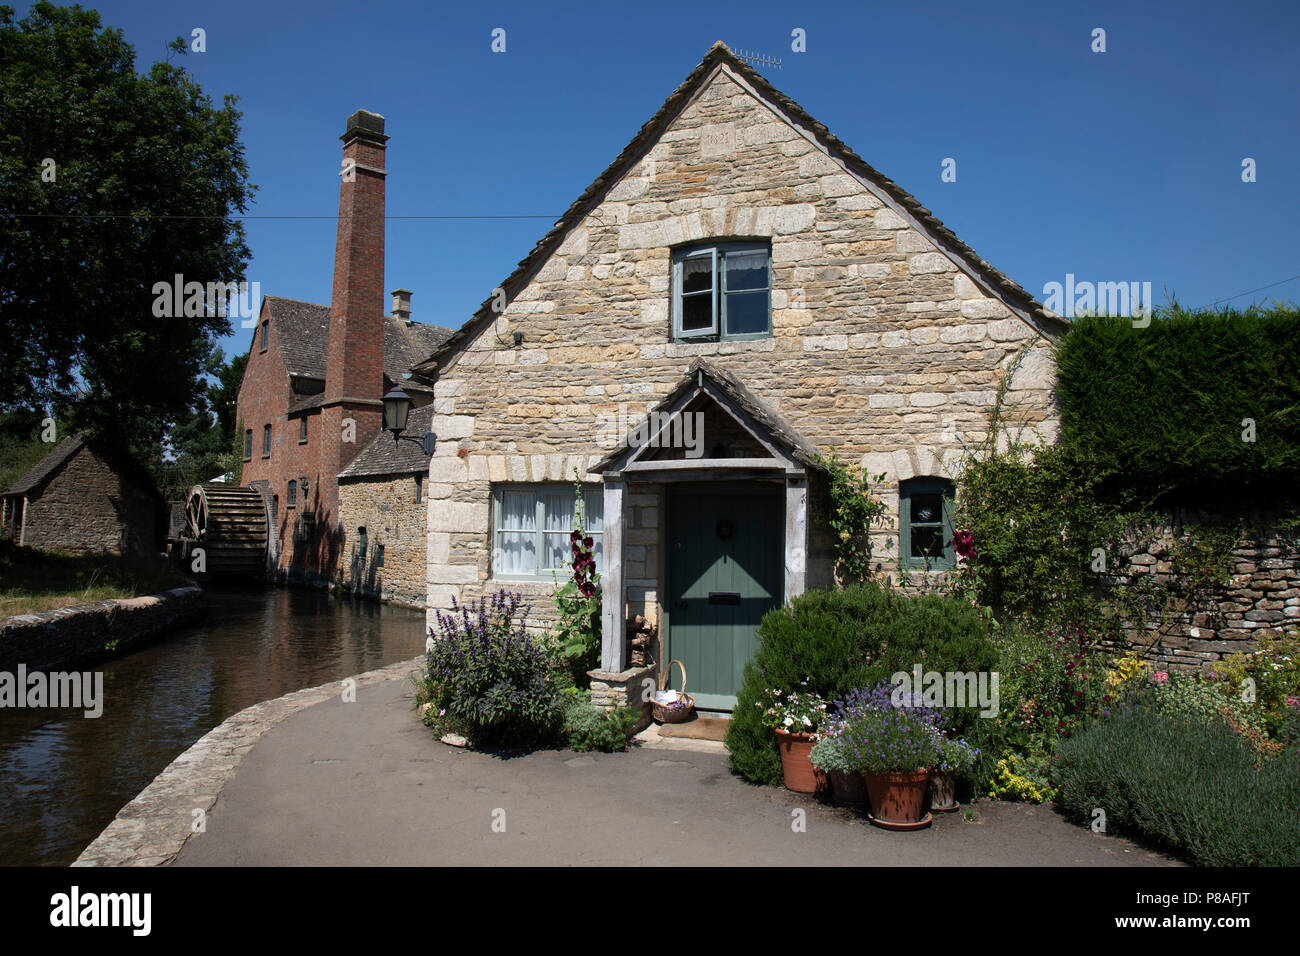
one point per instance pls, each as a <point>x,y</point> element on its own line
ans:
<point>736,296</point>
<point>80,499</point>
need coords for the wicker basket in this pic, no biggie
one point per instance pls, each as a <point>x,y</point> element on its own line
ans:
<point>663,714</point>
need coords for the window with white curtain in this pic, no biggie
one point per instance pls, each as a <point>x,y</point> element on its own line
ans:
<point>531,525</point>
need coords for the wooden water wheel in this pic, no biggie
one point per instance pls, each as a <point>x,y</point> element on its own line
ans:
<point>230,524</point>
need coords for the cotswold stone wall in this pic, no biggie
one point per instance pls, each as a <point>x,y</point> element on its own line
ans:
<point>1262,593</point>
<point>387,509</point>
<point>881,348</point>
<point>87,506</point>
<point>73,636</point>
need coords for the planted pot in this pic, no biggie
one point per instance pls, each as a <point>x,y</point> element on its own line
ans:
<point>800,775</point>
<point>898,799</point>
<point>943,791</point>
<point>848,789</point>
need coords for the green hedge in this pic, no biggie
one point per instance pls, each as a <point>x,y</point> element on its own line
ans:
<point>1161,408</point>
<point>1184,783</point>
<point>841,640</point>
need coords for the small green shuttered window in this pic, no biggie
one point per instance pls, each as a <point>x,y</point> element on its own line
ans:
<point>925,524</point>
<point>722,291</point>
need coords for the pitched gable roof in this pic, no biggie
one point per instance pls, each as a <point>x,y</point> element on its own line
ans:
<point>48,465</point>
<point>774,428</point>
<point>302,333</point>
<point>1015,296</point>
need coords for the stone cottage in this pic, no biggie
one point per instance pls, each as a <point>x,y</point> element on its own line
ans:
<point>738,294</point>
<point>311,405</point>
<point>79,498</point>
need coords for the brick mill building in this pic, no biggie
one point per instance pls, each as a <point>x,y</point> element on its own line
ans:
<point>344,496</point>
<point>740,270</point>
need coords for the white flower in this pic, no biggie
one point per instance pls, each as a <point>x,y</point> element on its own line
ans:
<point>788,721</point>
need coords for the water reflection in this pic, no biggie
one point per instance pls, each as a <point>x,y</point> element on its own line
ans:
<point>64,777</point>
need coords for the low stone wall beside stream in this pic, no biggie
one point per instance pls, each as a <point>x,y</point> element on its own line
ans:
<point>70,637</point>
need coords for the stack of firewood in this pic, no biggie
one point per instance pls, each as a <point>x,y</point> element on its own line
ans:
<point>641,633</point>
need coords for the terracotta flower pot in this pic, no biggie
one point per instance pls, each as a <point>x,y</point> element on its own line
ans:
<point>898,799</point>
<point>848,789</point>
<point>943,791</point>
<point>800,776</point>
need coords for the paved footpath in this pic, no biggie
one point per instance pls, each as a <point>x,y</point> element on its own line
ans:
<point>366,783</point>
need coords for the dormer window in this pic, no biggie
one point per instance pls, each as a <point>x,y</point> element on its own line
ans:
<point>722,291</point>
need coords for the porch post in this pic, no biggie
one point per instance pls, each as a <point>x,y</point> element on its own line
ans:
<point>796,535</point>
<point>612,625</point>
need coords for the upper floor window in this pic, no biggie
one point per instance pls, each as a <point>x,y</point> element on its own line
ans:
<point>722,291</point>
<point>265,332</point>
<point>302,430</point>
<point>248,444</point>
<point>292,500</point>
<point>266,441</point>
<point>925,524</point>
<point>531,525</point>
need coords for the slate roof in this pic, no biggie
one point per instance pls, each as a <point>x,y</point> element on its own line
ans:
<point>383,456</point>
<point>406,344</point>
<point>1047,322</point>
<point>779,431</point>
<point>302,331</point>
<point>48,465</point>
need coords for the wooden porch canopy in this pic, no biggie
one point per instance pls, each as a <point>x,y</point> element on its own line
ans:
<point>710,427</point>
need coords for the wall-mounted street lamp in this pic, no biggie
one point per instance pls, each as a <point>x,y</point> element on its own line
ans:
<point>397,406</point>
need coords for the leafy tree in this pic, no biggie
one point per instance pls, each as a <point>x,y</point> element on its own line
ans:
<point>146,176</point>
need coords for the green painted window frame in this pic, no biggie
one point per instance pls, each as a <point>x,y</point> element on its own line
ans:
<point>926,486</point>
<point>717,253</point>
<point>539,490</point>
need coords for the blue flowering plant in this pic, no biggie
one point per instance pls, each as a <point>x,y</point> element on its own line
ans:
<point>489,679</point>
<point>795,712</point>
<point>878,733</point>
<point>889,741</point>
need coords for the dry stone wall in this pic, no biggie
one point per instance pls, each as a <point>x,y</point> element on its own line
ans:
<point>1261,593</point>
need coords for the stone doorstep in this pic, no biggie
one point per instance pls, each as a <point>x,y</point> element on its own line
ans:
<point>651,740</point>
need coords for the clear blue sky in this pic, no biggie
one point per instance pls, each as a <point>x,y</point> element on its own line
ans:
<point>1115,166</point>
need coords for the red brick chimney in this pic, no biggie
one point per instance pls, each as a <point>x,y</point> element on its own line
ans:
<point>354,365</point>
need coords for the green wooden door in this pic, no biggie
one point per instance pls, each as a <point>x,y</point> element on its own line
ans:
<point>725,572</point>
